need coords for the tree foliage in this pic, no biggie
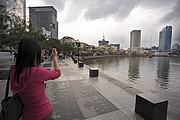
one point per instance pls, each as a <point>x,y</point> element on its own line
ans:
<point>65,48</point>
<point>13,29</point>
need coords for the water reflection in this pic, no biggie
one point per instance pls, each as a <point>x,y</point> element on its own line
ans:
<point>133,72</point>
<point>163,72</point>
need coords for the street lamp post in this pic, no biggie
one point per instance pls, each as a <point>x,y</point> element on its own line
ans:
<point>78,45</point>
<point>78,56</point>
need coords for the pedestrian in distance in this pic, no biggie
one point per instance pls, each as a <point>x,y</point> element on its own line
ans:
<point>28,79</point>
<point>60,56</point>
<point>15,55</point>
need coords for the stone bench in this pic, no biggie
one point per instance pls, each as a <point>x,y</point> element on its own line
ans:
<point>151,106</point>
<point>93,72</point>
<point>81,64</point>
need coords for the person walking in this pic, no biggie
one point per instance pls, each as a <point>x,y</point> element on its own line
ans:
<point>15,55</point>
<point>28,79</point>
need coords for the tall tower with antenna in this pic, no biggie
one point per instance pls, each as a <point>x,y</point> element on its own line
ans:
<point>103,42</point>
<point>103,35</point>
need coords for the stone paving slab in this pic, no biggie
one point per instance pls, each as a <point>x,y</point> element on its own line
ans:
<point>84,91</point>
<point>68,71</point>
<point>95,105</point>
<point>78,83</point>
<point>115,115</point>
<point>129,112</point>
<point>68,110</point>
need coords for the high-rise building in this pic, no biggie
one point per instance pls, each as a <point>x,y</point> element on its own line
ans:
<point>17,7</point>
<point>165,36</point>
<point>135,39</point>
<point>44,17</point>
<point>103,42</point>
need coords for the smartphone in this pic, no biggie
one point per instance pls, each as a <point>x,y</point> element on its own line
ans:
<point>53,50</point>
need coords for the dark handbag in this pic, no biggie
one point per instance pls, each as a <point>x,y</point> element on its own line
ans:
<point>11,105</point>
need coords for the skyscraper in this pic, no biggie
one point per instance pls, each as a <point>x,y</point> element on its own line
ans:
<point>135,39</point>
<point>165,36</point>
<point>103,42</point>
<point>44,17</point>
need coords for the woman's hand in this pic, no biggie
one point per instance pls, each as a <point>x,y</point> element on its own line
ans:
<point>54,53</point>
<point>54,56</point>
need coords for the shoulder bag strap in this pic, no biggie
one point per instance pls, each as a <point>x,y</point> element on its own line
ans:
<point>7,86</point>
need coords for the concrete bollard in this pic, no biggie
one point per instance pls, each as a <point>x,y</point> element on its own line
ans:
<point>81,64</point>
<point>151,106</point>
<point>75,61</point>
<point>93,72</point>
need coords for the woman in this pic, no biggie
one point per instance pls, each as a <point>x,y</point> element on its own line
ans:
<point>27,79</point>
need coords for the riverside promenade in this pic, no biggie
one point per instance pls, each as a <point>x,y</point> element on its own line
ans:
<point>76,96</point>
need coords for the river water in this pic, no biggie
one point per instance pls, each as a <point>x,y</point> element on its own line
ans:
<point>159,74</point>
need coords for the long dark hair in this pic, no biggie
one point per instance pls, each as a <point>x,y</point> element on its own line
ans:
<point>29,55</point>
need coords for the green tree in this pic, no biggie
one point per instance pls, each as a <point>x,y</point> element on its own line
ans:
<point>36,33</point>
<point>51,43</point>
<point>4,18</point>
<point>13,29</point>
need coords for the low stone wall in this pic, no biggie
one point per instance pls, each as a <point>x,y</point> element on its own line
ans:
<point>82,58</point>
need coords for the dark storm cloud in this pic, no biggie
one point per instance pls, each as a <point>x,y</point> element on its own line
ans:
<point>97,9</point>
<point>118,9</point>
<point>173,18</point>
<point>174,15</point>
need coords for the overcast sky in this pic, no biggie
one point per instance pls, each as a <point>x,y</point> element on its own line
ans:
<point>87,20</point>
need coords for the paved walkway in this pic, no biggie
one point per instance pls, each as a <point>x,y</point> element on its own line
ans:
<point>76,96</point>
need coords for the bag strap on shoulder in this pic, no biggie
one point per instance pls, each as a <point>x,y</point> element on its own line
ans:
<point>7,84</point>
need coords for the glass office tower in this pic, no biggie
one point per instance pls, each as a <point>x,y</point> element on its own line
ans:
<point>44,17</point>
<point>165,36</point>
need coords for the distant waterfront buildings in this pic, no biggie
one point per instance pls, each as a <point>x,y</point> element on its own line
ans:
<point>176,47</point>
<point>115,46</point>
<point>103,42</point>
<point>44,18</point>
<point>165,36</point>
<point>135,39</point>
